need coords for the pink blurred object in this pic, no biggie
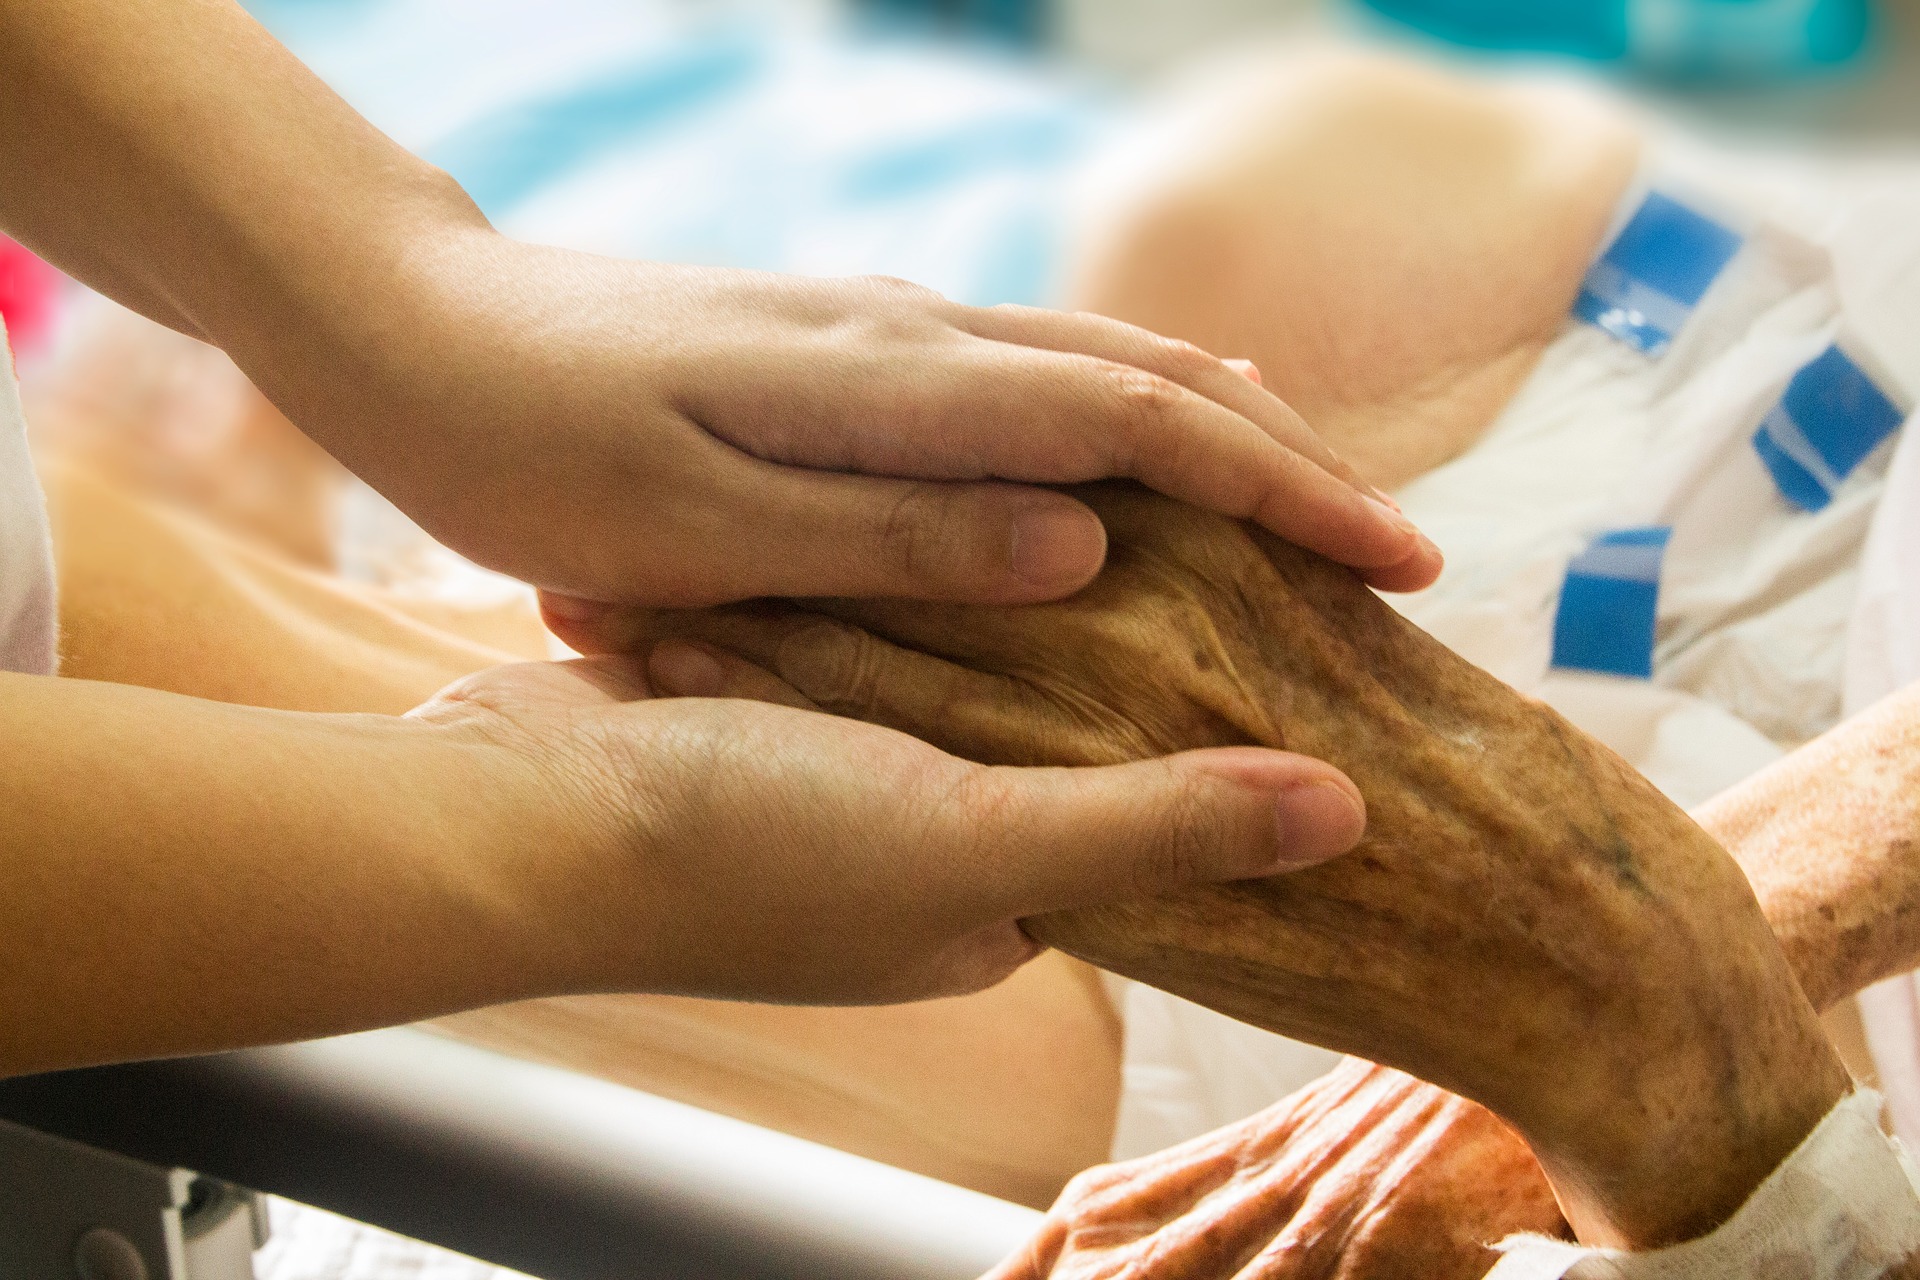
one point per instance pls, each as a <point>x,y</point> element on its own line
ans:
<point>29,296</point>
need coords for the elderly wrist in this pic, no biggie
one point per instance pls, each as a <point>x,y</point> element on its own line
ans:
<point>1680,1137</point>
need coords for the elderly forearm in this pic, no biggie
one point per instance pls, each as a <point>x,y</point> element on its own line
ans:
<point>182,876</point>
<point>1830,838</point>
<point>176,157</point>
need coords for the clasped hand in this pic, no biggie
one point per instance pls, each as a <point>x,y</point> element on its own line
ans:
<point>632,432</point>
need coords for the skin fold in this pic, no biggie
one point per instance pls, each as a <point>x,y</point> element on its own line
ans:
<point>154,598</point>
<point>1521,896</point>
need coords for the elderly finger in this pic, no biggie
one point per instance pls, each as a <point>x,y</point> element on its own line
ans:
<point>684,669</point>
<point>975,714</point>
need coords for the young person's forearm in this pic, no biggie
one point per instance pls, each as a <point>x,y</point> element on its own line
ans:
<point>182,876</point>
<point>175,156</point>
<point>1830,838</point>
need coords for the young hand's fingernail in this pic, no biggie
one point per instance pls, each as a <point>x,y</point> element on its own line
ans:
<point>1246,369</point>
<point>573,608</point>
<point>1395,517</point>
<point>1318,820</point>
<point>1056,547</point>
<point>1386,499</point>
<point>685,670</point>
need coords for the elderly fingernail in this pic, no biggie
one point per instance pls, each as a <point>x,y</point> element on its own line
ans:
<point>1057,547</point>
<point>1385,499</point>
<point>685,670</point>
<point>1318,820</point>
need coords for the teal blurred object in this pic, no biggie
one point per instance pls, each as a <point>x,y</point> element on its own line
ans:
<point>1672,39</point>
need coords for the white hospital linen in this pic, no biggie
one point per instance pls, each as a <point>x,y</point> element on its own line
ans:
<point>1844,1206</point>
<point>1884,655</point>
<point>26,556</point>
<point>1756,595</point>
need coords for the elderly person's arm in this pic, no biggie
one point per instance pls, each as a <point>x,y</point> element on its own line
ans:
<point>1523,897</point>
<point>1830,838</point>
<point>1370,1174</point>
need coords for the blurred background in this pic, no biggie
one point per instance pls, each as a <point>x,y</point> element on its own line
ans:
<point>753,113</point>
<point>936,140</point>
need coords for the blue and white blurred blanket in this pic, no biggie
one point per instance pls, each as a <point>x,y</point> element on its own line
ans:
<point>664,130</point>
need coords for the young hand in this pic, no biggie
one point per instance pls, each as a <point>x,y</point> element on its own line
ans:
<point>631,432</point>
<point>740,850</point>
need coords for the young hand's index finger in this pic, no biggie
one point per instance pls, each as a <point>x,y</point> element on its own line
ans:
<point>1187,425</point>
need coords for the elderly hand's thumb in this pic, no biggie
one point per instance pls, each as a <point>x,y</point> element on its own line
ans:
<point>1083,836</point>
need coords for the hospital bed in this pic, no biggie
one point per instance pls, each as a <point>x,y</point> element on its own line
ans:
<point>153,1171</point>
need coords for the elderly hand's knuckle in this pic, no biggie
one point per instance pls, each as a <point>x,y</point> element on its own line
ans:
<point>828,664</point>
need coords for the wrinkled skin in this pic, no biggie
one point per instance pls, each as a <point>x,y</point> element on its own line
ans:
<point>1522,897</point>
<point>1421,1179</point>
<point>1365,1174</point>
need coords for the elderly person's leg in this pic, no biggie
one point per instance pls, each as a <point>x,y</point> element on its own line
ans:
<point>155,597</point>
<point>1011,1091</point>
<point>1394,246</point>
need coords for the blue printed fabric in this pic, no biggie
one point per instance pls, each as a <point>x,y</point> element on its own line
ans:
<point>1610,602</point>
<point>723,135</point>
<point>1655,272</point>
<point>1830,420</point>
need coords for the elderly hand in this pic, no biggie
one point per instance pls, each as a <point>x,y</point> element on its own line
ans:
<point>750,851</point>
<point>1520,893</point>
<point>625,431</point>
<point>1365,1174</point>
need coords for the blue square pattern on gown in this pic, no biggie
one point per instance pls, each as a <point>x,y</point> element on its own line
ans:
<point>1830,420</point>
<point>1609,604</point>
<point>1655,272</point>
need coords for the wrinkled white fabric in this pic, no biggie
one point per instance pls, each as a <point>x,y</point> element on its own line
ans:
<point>1756,596</point>
<point>27,617</point>
<point>1884,655</point>
<point>311,1244</point>
<point>1844,1206</point>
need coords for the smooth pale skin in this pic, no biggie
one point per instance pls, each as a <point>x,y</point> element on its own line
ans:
<point>291,640</point>
<point>619,430</point>
<point>1521,896</point>
<point>1372,1174</point>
